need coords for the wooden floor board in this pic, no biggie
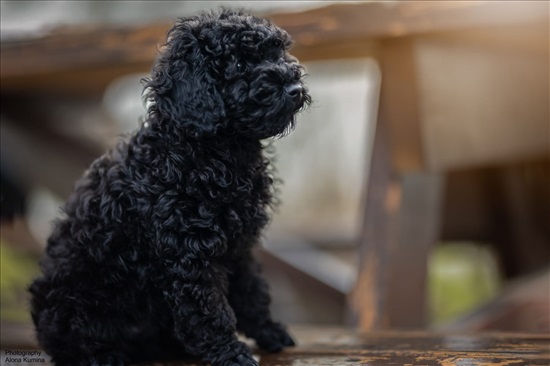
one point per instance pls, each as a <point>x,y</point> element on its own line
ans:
<point>340,346</point>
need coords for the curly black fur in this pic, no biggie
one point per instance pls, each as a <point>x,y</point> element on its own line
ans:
<point>153,257</point>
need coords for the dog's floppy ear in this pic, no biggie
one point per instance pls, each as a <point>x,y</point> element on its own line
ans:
<point>181,88</point>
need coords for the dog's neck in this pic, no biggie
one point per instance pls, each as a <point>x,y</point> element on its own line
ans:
<point>224,142</point>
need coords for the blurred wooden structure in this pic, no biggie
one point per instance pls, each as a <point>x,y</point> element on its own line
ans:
<point>464,89</point>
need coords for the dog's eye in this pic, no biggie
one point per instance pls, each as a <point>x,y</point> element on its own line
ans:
<point>241,67</point>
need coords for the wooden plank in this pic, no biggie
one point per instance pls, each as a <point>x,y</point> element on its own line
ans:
<point>399,104</point>
<point>94,55</point>
<point>395,243</point>
<point>401,219</point>
<point>78,59</point>
<point>416,234</point>
<point>349,22</point>
<point>383,195</point>
<point>368,300</point>
<point>80,47</point>
<point>339,346</point>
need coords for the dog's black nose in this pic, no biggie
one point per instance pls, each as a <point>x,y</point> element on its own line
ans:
<point>294,90</point>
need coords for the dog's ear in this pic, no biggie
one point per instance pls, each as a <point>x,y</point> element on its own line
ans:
<point>181,88</point>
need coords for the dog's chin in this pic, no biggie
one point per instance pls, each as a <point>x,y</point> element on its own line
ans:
<point>277,129</point>
<point>301,104</point>
<point>284,130</point>
<point>287,121</point>
<point>274,122</point>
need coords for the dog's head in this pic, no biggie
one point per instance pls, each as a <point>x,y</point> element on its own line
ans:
<point>227,72</point>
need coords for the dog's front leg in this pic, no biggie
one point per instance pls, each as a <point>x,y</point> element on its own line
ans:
<point>204,322</point>
<point>250,300</point>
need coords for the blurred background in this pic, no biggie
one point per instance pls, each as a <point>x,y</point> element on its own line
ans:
<point>416,188</point>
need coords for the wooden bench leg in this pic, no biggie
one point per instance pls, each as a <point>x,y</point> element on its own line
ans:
<point>401,225</point>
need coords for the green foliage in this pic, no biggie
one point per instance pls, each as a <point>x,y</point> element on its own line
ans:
<point>17,270</point>
<point>461,277</point>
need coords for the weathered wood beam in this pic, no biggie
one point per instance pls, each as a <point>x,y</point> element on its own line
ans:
<point>85,59</point>
<point>400,226</point>
<point>348,22</point>
<point>81,59</point>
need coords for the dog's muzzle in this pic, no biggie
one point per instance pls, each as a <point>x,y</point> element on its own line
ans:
<point>294,90</point>
<point>296,93</point>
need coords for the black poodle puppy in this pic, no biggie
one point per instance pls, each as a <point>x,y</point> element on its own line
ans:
<point>152,259</point>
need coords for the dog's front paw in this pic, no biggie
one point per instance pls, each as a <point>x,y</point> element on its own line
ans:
<point>241,360</point>
<point>274,338</point>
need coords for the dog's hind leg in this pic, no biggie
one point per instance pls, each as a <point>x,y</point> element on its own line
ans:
<point>74,332</point>
<point>250,300</point>
<point>78,352</point>
<point>74,351</point>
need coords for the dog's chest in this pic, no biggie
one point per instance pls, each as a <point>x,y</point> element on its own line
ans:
<point>222,191</point>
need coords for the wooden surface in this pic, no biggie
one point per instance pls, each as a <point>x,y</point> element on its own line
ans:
<point>337,346</point>
<point>342,347</point>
